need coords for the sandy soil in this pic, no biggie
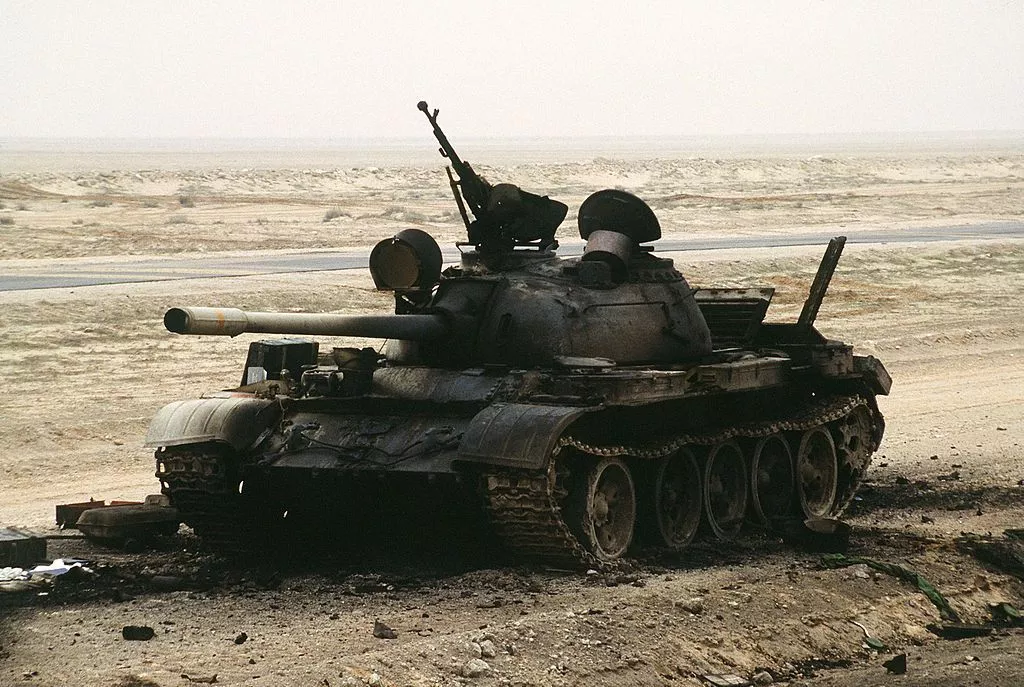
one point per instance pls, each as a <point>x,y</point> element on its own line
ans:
<point>85,369</point>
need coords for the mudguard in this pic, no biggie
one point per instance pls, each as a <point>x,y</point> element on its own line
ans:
<point>237,421</point>
<point>517,435</point>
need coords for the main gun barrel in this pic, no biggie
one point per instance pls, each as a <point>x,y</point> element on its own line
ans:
<point>232,321</point>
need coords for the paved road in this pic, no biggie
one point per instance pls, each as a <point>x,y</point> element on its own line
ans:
<point>93,272</point>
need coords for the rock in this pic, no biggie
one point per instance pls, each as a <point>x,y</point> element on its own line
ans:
<point>382,631</point>
<point>474,648</point>
<point>475,668</point>
<point>694,605</point>
<point>137,633</point>
<point>375,680</point>
<point>897,665</point>
<point>487,649</point>
<point>762,677</point>
<point>241,637</point>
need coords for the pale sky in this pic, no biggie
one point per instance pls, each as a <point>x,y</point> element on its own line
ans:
<point>508,69</point>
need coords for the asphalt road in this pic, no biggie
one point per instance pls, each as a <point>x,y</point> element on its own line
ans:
<point>93,272</point>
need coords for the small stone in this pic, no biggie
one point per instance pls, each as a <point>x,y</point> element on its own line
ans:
<point>137,633</point>
<point>474,648</point>
<point>927,520</point>
<point>382,631</point>
<point>694,605</point>
<point>762,677</point>
<point>860,571</point>
<point>475,668</point>
<point>490,602</point>
<point>487,649</point>
<point>374,680</point>
<point>241,637</point>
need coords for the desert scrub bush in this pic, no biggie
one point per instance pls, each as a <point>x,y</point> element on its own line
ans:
<point>22,207</point>
<point>150,204</point>
<point>187,201</point>
<point>334,213</point>
<point>77,222</point>
<point>99,203</point>
<point>6,221</point>
<point>401,214</point>
<point>178,219</point>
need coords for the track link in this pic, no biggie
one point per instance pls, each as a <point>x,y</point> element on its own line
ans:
<point>525,506</point>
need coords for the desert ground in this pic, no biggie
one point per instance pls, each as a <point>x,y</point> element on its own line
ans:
<point>86,368</point>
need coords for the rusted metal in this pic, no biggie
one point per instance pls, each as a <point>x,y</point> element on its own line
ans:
<point>20,548</point>
<point>821,281</point>
<point>138,521</point>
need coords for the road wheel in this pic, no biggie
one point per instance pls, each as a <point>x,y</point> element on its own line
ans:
<point>816,472</point>
<point>725,490</point>
<point>677,499</point>
<point>771,479</point>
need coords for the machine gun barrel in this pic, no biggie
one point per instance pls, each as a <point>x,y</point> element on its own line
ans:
<point>232,321</point>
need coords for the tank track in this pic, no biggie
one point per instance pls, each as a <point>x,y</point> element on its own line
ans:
<point>196,479</point>
<point>525,506</point>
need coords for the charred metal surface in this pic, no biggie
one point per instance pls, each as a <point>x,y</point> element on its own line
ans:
<point>235,420</point>
<point>557,392</point>
<point>822,278</point>
<point>516,434</point>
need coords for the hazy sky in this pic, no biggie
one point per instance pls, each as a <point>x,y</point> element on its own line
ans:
<point>578,67</point>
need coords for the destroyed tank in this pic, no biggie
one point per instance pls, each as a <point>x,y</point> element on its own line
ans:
<point>579,408</point>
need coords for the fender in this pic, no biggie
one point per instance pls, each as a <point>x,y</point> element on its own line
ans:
<point>236,421</point>
<point>517,435</point>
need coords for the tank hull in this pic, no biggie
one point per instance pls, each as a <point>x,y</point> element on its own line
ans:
<point>515,442</point>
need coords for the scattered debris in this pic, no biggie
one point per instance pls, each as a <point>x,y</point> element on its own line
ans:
<point>960,630</point>
<point>382,631</point>
<point>726,680</point>
<point>869,641</point>
<point>20,579</point>
<point>946,611</point>
<point>121,525</point>
<point>897,665</point>
<point>68,513</point>
<point>137,633</point>
<point>1006,612</point>
<point>20,548</point>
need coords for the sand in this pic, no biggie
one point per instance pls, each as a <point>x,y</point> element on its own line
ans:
<point>84,369</point>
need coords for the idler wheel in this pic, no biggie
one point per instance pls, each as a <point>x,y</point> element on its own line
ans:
<point>771,479</point>
<point>816,472</point>
<point>725,490</point>
<point>606,509</point>
<point>854,444</point>
<point>677,499</point>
